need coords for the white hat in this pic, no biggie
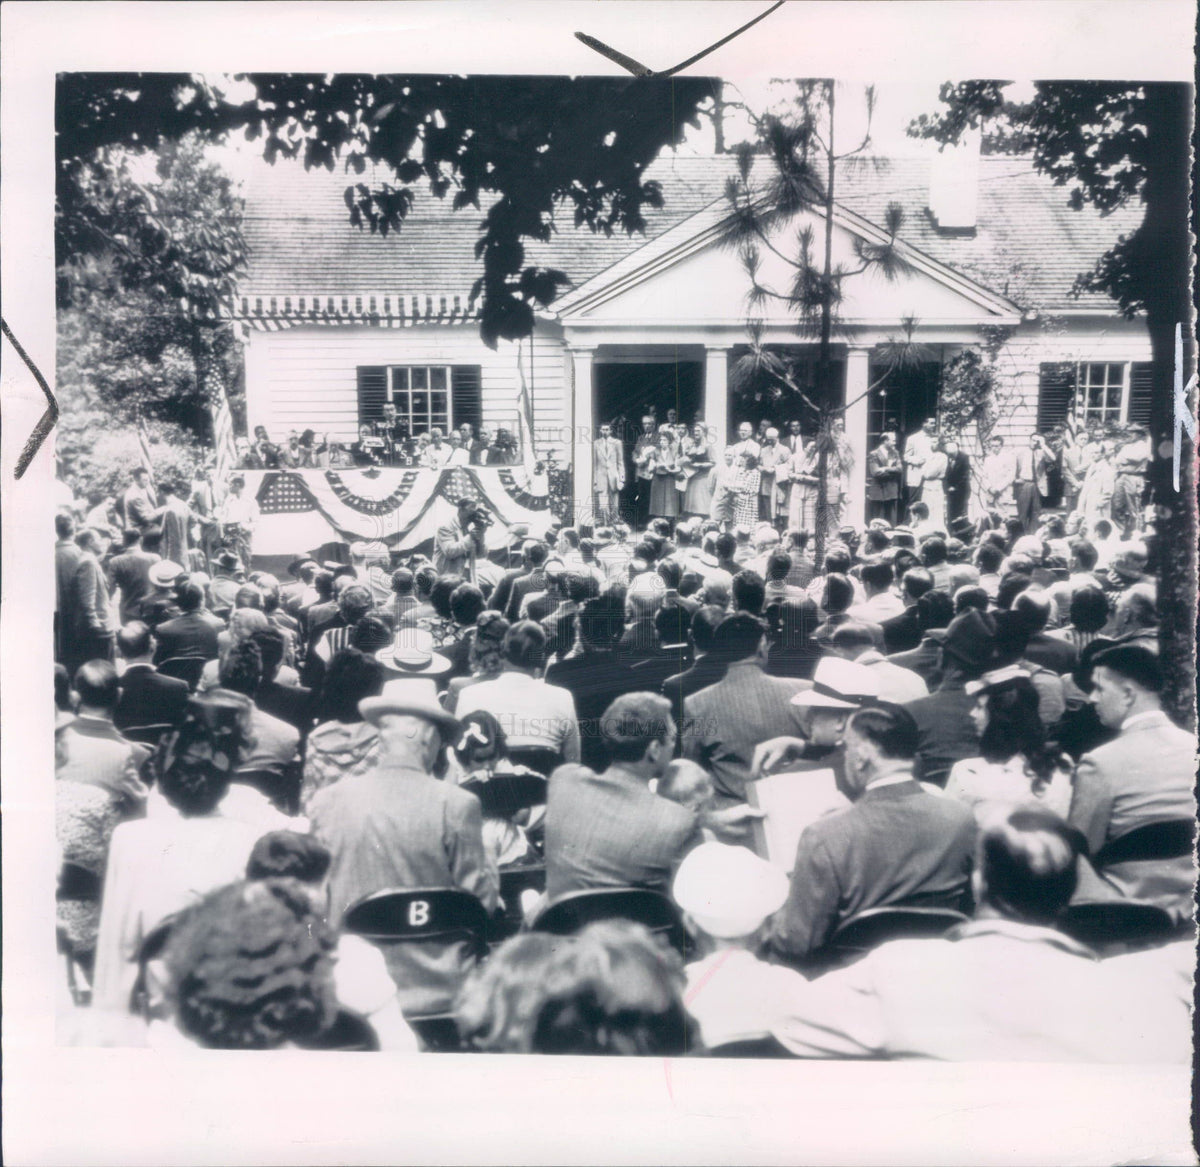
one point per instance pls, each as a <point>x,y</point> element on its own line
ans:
<point>996,677</point>
<point>838,684</point>
<point>164,573</point>
<point>415,696</point>
<point>728,891</point>
<point>412,654</point>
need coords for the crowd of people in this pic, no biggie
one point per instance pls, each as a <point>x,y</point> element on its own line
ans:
<point>971,707</point>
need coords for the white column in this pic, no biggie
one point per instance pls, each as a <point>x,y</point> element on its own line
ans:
<point>858,362</point>
<point>716,393</point>
<point>583,360</point>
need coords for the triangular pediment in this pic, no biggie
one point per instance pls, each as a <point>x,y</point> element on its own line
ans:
<point>685,275</point>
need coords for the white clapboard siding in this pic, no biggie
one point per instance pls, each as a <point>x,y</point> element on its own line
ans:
<point>306,377</point>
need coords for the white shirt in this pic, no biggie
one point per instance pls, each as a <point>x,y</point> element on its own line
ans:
<point>457,457</point>
<point>736,997</point>
<point>878,608</point>
<point>994,788</point>
<point>240,509</point>
<point>530,712</point>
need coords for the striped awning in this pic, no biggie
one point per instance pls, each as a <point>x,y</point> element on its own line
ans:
<point>272,313</point>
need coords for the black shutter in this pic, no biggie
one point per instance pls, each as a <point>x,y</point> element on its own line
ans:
<point>1141,392</point>
<point>1056,394</point>
<point>372,392</point>
<point>466,396</point>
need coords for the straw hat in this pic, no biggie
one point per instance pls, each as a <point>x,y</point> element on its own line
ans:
<point>412,653</point>
<point>415,697</point>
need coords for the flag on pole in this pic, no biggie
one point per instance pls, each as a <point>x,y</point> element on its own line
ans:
<point>144,446</point>
<point>525,417</point>
<point>224,449</point>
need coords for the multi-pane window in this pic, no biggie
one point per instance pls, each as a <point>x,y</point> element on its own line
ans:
<point>421,394</point>
<point>1100,392</point>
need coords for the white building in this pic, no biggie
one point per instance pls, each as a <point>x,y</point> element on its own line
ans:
<point>338,320</point>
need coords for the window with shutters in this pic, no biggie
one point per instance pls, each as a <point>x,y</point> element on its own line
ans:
<point>425,396</point>
<point>1108,392</point>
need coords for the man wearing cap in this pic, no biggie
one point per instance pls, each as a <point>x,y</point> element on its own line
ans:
<point>945,732</point>
<point>726,895</point>
<point>226,584</point>
<point>460,542</point>
<point>398,826</point>
<point>238,515</point>
<point>129,573</point>
<point>896,843</point>
<point>160,605</point>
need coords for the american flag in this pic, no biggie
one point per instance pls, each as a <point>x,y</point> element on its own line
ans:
<point>525,417</point>
<point>224,449</point>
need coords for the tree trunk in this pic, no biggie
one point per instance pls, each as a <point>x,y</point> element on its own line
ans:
<point>1165,259</point>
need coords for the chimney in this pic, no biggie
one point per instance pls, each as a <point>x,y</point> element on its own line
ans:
<point>954,186</point>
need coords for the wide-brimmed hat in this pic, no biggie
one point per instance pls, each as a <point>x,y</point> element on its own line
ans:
<point>228,561</point>
<point>164,573</point>
<point>1129,562</point>
<point>839,684</point>
<point>962,528</point>
<point>996,679</point>
<point>414,696</point>
<point>971,641</point>
<point>728,891</point>
<point>412,653</point>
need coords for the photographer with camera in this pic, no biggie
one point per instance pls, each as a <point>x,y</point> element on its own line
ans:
<point>459,543</point>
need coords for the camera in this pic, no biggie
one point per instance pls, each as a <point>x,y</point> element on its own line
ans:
<point>480,518</point>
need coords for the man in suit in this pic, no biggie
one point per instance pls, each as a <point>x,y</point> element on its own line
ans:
<point>793,440</point>
<point>89,621</point>
<point>945,732</point>
<point>398,826</point>
<point>608,829</point>
<point>957,481</point>
<point>291,704</point>
<point>1007,986</point>
<point>608,463</point>
<point>596,677</point>
<point>129,572</point>
<point>1029,481</point>
<point>66,561</point>
<point>903,632</point>
<point>896,843</point>
<point>726,721</point>
<point>1034,607</point>
<point>193,633</point>
<point>707,668</point>
<point>147,697</point>
<point>883,479</point>
<point>95,751</point>
<point>141,509</point>
<point>643,449</point>
<point>772,458</point>
<point>534,580</point>
<point>1145,775</point>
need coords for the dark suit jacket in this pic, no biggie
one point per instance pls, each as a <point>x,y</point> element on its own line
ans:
<point>957,480</point>
<point>535,581</point>
<point>897,844</point>
<point>651,672</point>
<point>191,634</point>
<point>149,698</point>
<point>723,723</point>
<point>902,632</point>
<point>503,593</point>
<point>130,571</point>
<point>595,680</point>
<point>609,830</point>
<point>1051,653</point>
<point>290,703</point>
<point>945,732</point>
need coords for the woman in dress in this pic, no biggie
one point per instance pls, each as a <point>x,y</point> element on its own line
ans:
<point>1016,764</point>
<point>698,460</point>
<point>745,488</point>
<point>802,503</point>
<point>664,498</point>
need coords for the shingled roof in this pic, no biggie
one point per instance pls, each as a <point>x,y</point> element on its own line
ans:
<point>1029,245</point>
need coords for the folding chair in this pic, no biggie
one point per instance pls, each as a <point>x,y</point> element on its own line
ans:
<point>540,758</point>
<point>1163,839</point>
<point>514,881</point>
<point>504,795</point>
<point>184,668</point>
<point>421,916</point>
<point>1118,925</point>
<point>870,928</point>
<point>574,911</point>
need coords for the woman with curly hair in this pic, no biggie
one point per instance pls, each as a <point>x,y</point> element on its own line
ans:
<point>1017,764</point>
<point>499,1002</point>
<point>485,655</point>
<point>252,967</point>
<point>162,864</point>
<point>441,623</point>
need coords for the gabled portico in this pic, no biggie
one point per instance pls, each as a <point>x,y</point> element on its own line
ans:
<point>681,300</point>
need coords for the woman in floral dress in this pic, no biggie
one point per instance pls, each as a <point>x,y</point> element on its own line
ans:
<point>745,511</point>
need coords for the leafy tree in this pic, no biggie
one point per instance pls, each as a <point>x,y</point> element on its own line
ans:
<point>140,332</point>
<point>524,146</point>
<point>1108,144</point>
<point>802,169</point>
